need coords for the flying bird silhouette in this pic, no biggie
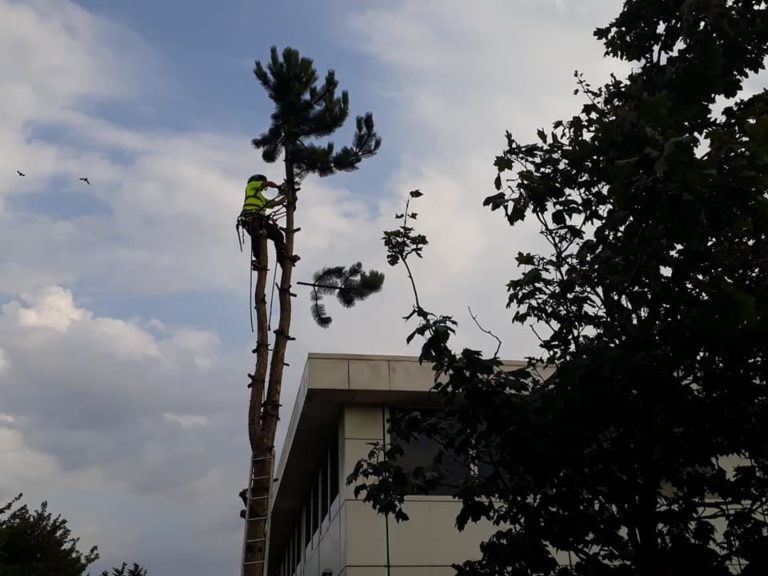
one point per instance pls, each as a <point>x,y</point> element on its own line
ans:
<point>20,173</point>
<point>85,180</point>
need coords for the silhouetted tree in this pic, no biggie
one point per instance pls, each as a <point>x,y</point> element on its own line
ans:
<point>635,443</point>
<point>125,570</point>
<point>36,543</point>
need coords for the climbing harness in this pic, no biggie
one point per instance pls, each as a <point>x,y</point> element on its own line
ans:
<point>241,226</point>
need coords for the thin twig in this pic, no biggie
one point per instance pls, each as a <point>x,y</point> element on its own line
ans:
<point>404,259</point>
<point>495,354</point>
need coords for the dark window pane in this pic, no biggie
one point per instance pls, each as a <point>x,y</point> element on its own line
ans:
<point>293,555</point>
<point>324,488</point>
<point>307,520</point>
<point>297,537</point>
<point>422,451</point>
<point>334,468</point>
<point>315,504</point>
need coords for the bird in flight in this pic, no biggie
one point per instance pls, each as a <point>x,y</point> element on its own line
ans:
<point>85,180</point>
<point>20,173</point>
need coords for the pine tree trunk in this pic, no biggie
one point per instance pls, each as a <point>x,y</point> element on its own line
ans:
<point>272,403</point>
<point>260,480</point>
<point>263,413</point>
<point>262,345</point>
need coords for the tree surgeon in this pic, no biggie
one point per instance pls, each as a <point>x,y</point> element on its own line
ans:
<point>254,219</point>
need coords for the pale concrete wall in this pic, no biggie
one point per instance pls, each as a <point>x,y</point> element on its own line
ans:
<point>427,544</point>
<point>359,372</point>
<point>353,539</point>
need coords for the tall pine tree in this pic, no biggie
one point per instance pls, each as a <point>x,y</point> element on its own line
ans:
<point>305,109</point>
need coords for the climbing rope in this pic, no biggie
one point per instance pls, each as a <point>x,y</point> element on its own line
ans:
<point>272,295</point>
<point>250,284</point>
<point>238,231</point>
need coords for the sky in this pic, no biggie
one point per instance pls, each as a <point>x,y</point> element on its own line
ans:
<point>124,331</point>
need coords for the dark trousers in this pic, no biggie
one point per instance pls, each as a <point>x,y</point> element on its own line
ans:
<point>254,225</point>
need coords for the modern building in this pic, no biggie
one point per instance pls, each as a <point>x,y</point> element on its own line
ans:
<point>317,526</point>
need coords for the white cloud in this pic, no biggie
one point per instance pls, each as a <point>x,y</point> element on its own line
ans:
<point>21,464</point>
<point>53,307</point>
<point>172,198</point>
<point>5,366</point>
<point>186,420</point>
<point>199,346</point>
<point>47,45</point>
<point>126,420</point>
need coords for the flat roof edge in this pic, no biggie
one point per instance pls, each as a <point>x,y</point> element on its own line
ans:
<point>391,357</point>
<point>342,356</point>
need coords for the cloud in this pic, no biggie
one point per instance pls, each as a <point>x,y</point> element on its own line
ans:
<point>21,464</point>
<point>117,413</point>
<point>4,364</point>
<point>53,307</point>
<point>169,199</point>
<point>186,420</point>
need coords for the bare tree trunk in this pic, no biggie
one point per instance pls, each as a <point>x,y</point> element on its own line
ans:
<point>259,376</point>
<point>264,411</point>
<point>282,334</point>
<point>260,480</point>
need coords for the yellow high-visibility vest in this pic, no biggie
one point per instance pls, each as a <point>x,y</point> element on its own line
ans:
<point>255,201</point>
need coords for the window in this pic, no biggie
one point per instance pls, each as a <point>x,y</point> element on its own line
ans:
<point>297,538</point>
<point>292,554</point>
<point>324,488</point>
<point>317,503</point>
<point>421,451</point>
<point>334,468</point>
<point>315,506</point>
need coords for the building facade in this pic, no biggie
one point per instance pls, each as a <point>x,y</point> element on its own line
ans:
<point>317,526</point>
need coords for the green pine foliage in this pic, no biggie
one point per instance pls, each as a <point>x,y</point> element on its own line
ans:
<point>349,285</point>
<point>306,110</point>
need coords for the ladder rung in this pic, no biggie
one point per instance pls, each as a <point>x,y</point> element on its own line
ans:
<point>255,518</point>
<point>257,540</point>
<point>262,458</point>
<point>254,562</point>
<point>260,477</point>
<point>258,497</point>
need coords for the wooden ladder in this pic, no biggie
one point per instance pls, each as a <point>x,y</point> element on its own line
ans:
<point>256,520</point>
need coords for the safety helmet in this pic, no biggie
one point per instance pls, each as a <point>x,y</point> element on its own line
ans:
<point>257,178</point>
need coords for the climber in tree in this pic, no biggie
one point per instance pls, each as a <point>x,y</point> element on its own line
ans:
<point>254,218</point>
